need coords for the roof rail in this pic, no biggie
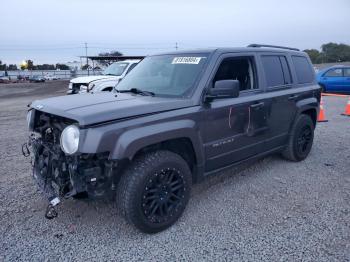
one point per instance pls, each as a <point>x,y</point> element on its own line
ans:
<point>274,46</point>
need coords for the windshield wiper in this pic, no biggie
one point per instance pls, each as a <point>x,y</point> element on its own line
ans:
<point>137,91</point>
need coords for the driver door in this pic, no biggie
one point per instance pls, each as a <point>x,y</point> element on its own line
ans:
<point>235,127</point>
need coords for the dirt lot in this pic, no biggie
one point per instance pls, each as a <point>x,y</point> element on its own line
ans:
<point>272,210</point>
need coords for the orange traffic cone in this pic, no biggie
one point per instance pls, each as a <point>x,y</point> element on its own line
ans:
<point>321,116</point>
<point>347,109</point>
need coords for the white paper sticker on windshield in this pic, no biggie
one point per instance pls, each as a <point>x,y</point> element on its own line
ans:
<point>186,60</point>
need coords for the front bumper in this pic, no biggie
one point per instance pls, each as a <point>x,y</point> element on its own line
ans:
<point>61,176</point>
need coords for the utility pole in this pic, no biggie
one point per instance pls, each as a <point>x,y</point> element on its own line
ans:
<point>176,47</point>
<point>87,60</point>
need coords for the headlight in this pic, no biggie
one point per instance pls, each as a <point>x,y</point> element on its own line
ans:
<point>70,139</point>
<point>29,117</point>
<point>70,86</point>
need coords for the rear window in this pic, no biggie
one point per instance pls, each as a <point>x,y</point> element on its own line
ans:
<point>276,70</point>
<point>303,69</point>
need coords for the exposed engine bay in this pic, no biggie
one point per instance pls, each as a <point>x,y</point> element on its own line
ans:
<point>59,175</point>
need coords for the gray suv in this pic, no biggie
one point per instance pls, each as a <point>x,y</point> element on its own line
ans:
<point>172,121</point>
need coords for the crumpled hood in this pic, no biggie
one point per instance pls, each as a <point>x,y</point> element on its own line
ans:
<point>89,79</point>
<point>90,109</point>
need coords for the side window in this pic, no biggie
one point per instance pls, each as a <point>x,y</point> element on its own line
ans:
<point>238,68</point>
<point>337,72</point>
<point>303,69</point>
<point>130,68</point>
<point>347,72</point>
<point>286,70</point>
<point>274,73</point>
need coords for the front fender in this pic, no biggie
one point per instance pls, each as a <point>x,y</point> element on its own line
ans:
<point>131,141</point>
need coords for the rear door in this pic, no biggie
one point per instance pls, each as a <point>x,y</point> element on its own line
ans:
<point>281,104</point>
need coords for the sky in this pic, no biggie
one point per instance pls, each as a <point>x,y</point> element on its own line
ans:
<point>51,31</point>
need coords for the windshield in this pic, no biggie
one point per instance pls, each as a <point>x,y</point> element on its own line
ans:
<point>165,75</point>
<point>115,69</point>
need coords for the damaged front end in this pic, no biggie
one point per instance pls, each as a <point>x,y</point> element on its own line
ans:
<point>60,175</point>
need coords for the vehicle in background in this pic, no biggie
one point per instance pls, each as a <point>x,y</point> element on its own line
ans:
<point>335,79</point>
<point>4,79</point>
<point>22,77</point>
<point>105,82</point>
<point>51,77</point>
<point>37,79</point>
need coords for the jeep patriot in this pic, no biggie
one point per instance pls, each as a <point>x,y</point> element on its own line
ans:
<point>175,119</point>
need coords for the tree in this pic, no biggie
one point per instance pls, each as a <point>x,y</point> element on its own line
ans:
<point>330,53</point>
<point>314,55</point>
<point>62,67</point>
<point>85,67</point>
<point>45,67</point>
<point>2,66</point>
<point>12,67</point>
<point>112,53</point>
<point>336,52</point>
<point>30,64</point>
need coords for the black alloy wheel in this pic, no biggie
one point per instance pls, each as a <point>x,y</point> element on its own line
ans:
<point>304,140</point>
<point>163,195</point>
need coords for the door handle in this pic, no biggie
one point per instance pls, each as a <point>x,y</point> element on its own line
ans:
<point>293,97</point>
<point>257,105</point>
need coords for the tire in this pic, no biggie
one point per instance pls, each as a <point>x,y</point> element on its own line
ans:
<point>300,139</point>
<point>154,190</point>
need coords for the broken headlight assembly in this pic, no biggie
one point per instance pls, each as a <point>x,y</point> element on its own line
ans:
<point>70,139</point>
<point>29,118</point>
<point>90,87</point>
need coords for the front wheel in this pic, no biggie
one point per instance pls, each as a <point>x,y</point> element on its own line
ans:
<point>154,190</point>
<point>300,139</point>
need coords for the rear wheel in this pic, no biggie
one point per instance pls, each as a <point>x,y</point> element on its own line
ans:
<point>154,190</point>
<point>300,139</point>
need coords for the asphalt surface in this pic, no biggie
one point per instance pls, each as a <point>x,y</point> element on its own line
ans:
<point>272,210</point>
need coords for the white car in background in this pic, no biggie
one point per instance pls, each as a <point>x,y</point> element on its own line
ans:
<point>105,82</point>
<point>50,77</point>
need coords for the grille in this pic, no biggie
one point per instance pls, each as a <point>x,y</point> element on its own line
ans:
<point>76,88</point>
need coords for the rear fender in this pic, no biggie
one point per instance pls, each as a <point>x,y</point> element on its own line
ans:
<point>304,105</point>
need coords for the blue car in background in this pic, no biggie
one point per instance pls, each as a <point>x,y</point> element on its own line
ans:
<point>335,79</point>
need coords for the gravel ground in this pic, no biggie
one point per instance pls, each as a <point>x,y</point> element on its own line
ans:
<point>271,210</point>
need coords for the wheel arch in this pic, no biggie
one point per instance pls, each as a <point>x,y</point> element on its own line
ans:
<point>310,107</point>
<point>312,113</point>
<point>179,137</point>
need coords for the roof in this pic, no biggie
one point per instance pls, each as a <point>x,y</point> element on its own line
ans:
<point>113,58</point>
<point>232,50</point>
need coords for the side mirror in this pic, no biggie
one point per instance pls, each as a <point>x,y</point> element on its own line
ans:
<point>224,89</point>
